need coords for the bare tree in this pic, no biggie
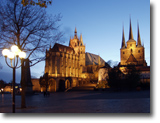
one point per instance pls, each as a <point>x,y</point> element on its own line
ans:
<point>41,3</point>
<point>29,27</point>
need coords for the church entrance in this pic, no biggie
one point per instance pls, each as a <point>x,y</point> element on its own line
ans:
<point>61,85</point>
<point>67,84</point>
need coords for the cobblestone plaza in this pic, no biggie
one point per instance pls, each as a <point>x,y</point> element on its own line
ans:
<point>80,102</point>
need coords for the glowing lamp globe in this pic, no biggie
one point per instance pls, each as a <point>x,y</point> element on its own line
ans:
<point>22,55</point>
<point>10,55</point>
<point>15,49</point>
<point>5,52</point>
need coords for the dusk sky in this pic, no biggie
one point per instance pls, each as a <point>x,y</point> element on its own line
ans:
<point>101,23</point>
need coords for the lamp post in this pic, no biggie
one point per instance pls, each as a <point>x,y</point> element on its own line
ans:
<point>13,55</point>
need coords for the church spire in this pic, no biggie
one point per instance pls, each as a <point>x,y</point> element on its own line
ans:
<point>130,31</point>
<point>81,40</point>
<point>123,40</point>
<point>75,33</point>
<point>75,30</point>
<point>139,38</point>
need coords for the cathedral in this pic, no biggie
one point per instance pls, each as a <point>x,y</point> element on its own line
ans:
<point>71,64</point>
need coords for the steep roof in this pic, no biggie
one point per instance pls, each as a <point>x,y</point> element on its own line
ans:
<point>93,59</point>
<point>61,48</point>
<point>131,59</point>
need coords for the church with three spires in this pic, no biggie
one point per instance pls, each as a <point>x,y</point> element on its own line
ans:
<point>132,52</point>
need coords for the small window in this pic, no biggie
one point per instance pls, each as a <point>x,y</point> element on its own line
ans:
<point>123,52</point>
<point>130,44</point>
<point>138,51</point>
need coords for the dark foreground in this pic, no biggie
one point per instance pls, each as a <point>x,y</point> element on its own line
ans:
<point>80,102</point>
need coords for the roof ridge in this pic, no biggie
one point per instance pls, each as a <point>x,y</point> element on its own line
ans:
<point>131,59</point>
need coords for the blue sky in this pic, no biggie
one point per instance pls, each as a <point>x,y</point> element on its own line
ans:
<point>101,23</point>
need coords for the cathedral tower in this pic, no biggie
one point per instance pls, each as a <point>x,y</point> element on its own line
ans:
<point>130,52</point>
<point>79,48</point>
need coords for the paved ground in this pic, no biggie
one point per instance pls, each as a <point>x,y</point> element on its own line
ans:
<point>81,102</point>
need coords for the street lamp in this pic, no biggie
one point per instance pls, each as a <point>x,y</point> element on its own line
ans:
<point>13,55</point>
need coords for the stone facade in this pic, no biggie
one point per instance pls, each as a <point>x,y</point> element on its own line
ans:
<point>70,66</point>
<point>132,52</point>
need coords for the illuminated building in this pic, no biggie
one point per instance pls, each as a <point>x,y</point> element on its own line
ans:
<point>70,66</point>
<point>132,52</point>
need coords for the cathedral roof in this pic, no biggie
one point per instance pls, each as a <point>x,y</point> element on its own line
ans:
<point>62,48</point>
<point>93,59</point>
<point>131,59</point>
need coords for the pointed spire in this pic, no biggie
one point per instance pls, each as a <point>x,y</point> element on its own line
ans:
<point>130,31</point>
<point>75,30</point>
<point>123,40</point>
<point>139,38</point>
<point>81,40</point>
<point>75,33</point>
